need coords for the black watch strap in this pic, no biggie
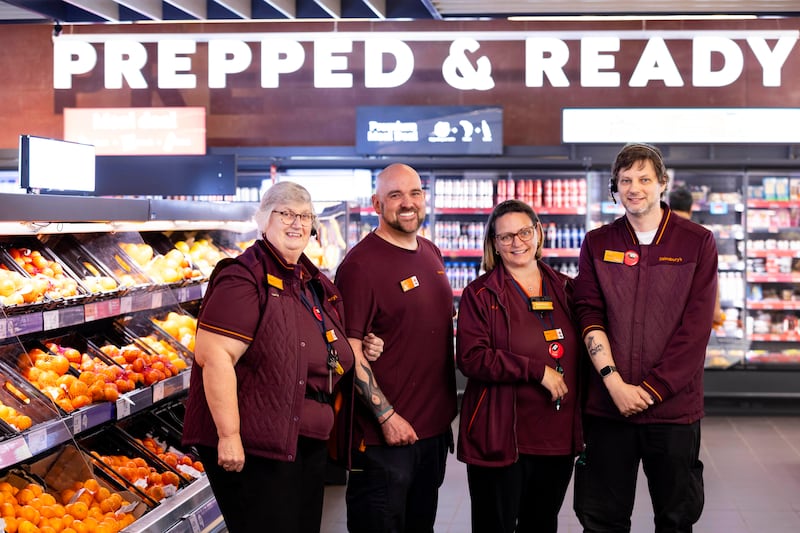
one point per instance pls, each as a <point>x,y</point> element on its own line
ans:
<point>607,370</point>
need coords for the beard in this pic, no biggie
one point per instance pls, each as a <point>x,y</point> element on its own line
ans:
<point>403,225</point>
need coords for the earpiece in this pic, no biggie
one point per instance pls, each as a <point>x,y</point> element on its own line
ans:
<point>313,231</point>
<point>612,188</point>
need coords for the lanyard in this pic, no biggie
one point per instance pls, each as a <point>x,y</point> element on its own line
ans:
<point>552,335</point>
<point>328,335</point>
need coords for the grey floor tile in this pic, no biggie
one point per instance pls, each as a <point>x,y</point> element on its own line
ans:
<point>752,476</point>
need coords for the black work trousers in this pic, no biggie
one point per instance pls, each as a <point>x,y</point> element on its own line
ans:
<point>270,495</point>
<point>395,489</point>
<point>605,486</point>
<point>524,497</point>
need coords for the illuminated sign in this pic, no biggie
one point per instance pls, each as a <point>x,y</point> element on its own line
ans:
<point>717,59</point>
<point>139,130</point>
<point>429,130</point>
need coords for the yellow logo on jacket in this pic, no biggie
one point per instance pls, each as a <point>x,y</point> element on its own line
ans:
<point>671,259</point>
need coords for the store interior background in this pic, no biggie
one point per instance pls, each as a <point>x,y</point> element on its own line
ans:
<point>748,193</point>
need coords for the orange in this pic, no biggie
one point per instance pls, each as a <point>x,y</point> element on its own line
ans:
<point>57,523</point>
<point>26,526</point>
<point>25,496</point>
<point>7,509</point>
<point>91,484</point>
<point>79,510</point>
<point>101,494</point>
<point>11,524</point>
<point>66,496</point>
<point>29,513</point>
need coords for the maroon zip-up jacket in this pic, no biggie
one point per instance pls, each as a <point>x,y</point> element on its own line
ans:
<point>488,427</point>
<point>657,313</point>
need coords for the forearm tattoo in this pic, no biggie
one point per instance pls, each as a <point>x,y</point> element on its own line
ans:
<point>369,391</point>
<point>594,347</point>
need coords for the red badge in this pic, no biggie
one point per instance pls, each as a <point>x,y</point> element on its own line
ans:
<point>556,350</point>
<point>631,258</point>
<point>317,314</point>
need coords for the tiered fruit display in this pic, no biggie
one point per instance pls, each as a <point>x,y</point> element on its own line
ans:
<point>168,268</point>
<point>184,463</point>
<point>106,382</point>
<point>151,368</point>
<point>157,485</point>
<point>59,285</point>
<point>204,254</point>
<point>85,507</point>
<point>180,327</point>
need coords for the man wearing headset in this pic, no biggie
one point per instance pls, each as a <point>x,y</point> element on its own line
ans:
<point>644,298</point>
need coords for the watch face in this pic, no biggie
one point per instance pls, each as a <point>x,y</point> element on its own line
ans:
<point>606,370</point>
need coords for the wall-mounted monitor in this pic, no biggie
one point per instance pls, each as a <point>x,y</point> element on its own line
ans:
<point>56,166</point>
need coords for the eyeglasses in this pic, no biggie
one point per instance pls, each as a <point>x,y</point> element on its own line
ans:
<point>525,234</point>
<point>288,218</point>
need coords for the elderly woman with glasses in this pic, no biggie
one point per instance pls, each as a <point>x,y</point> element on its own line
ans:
<point>518,347</point>
<point>269,351</point>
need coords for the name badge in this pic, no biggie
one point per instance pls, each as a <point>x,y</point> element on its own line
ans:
<point>330,336</point>
<point>611,256</point>
<point>555,334</point>
<point>409,283</point>
<point>540,303</point>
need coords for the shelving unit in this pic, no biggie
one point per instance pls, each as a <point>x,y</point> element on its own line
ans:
<point>773,269</point>
<point>193,507</point>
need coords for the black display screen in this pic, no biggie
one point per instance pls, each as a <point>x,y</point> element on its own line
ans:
<point>429,130</point>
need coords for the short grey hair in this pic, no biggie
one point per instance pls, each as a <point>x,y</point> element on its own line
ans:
<point>283,192</point>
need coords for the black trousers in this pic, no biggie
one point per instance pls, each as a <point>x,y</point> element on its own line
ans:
<point>524,497</point>
<point>605,485</point>
<point>395,489</point>
<point>270,495</point>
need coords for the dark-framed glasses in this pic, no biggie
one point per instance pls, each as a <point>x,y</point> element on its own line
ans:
<point>288,217</point>
<point>525,234</point>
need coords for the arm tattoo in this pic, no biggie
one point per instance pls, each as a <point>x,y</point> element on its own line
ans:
<point>593,347</point>
<point>369,391</point>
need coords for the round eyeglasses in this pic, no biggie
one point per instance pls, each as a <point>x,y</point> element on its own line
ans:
<point>525,234</point>
<point>288,218</point>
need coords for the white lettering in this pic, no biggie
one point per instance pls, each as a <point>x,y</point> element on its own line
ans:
<point>225,57</point>
<point>172,67</point>
<point>593,61</point>
<point>327,63</point>
<point>125,59</point>
<point>278,57</point>
<point>392,131</point>
<point>374,75</point>
<point>545,56</point>
<point>656,63</point>
<point>703,49</point>
<point>71,58</point>
<point>771,61</point>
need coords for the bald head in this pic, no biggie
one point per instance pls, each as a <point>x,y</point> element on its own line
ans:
<point>400,203</point>
<point>389,176</point>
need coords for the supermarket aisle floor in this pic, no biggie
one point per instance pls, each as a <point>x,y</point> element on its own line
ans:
<point>752,477</point>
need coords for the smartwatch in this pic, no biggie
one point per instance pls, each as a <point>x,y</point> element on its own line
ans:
<point>607,371</point>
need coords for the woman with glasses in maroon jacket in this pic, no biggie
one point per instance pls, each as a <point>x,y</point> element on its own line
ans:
<point>517,345</point>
